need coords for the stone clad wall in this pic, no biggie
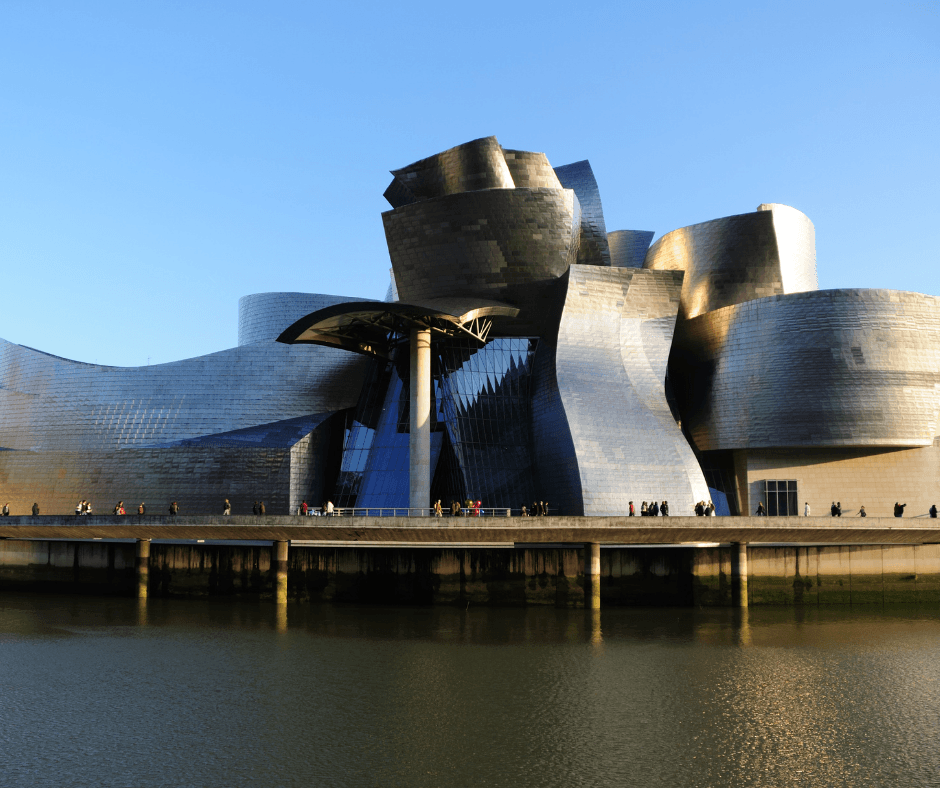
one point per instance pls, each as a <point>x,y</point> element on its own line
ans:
<point>844,575</point>
<point>653,576</point>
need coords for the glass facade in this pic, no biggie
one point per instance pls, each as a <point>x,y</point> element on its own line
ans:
<point>781,498</point>
<point>483,396</point>
<point>375,467</point>
<point>480,429</point>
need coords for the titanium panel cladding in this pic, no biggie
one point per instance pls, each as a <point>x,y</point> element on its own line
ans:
<point>628,248</point>
<point>739,258</point>
<point>473,166</point>
<point>263,316</point>
<point>830,368</point>
<point>580,177</point>
<point>242,422</point>
<point>531,170</point>
<point>482,244</point>
<point>610,364</point>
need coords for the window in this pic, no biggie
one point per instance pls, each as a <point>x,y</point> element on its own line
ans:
<point>781,499</point>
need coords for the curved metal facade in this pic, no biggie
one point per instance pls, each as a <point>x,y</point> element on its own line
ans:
<point>628,248</point>
<point>605,388</point>
<point>501,244</point>
<point>579,177</point>
<point>263,316</point>
<point>739,258</point>
<point>550,382</point>
<point>244,423</point>
<point>829,368</point>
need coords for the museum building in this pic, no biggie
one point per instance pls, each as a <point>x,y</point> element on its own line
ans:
<point>523,353</point>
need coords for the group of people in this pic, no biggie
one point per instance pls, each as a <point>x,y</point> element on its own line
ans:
<point>469,508</point>
<point>704,509</point>
<point>326,509</point>
<point>651,509</point>
<point>835,510</point>
<point>539,509</point>
<point>83,507</point>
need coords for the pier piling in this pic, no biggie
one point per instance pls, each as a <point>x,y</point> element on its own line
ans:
<point>280,572</point>
<point>592,575</point>
<point>739,574</point>
<point>143,567</point>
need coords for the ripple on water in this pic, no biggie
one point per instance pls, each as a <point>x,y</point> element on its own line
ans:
<point>108,692</point>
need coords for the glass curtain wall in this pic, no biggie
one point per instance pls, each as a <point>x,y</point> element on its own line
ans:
<point>480,429</point>
<point>483,396</point>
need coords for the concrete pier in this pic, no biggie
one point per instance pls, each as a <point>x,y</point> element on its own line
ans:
<point>739,574</point>
<point>420,438</point>
<point>279,565</point>
<point>592,575</point>
<point>142,564</point>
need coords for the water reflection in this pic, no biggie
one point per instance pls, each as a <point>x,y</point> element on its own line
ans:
<point>222,694</point>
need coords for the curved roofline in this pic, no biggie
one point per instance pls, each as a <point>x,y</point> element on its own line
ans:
<point>364,326</point>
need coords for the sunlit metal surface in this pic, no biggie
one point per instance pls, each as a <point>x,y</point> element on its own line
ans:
<point>602,430</point>
<point>245,423</point>
<point>628,248</point>
<point>739,258</point>
<point>827,368</point>
<point>580,177</point>
<point>471,230</point>
<point>263,316</point>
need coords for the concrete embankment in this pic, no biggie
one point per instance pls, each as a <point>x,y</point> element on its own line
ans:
<point>520,575</point>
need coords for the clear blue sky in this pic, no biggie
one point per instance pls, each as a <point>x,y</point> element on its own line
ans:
<point>159,160</point>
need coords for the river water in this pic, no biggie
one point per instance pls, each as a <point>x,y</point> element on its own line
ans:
<point>111,692</point>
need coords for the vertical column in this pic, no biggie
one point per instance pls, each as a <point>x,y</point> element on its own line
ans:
<point>143,567</point>
<point>592,575</point>
<point>280,572</point>
<point>739,574</point>
<point>420,442</point>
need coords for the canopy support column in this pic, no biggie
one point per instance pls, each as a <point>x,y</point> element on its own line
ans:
<point>420,438</point>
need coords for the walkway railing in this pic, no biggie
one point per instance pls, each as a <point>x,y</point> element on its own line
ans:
<point>404,511</point>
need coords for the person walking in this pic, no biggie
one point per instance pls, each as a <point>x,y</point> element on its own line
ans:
<point>304,508</point>
<point>832,509</point>
<point>36,509</point>
<point>438,511</point>
<point>455,508</point>
<point>760,509</point>
<point>329,508</point>
<point>664,509</point>
<point>933,511</point>
<point>78,508</point>
<point>254,509</point>
<point>261,509</point>
<point>632,510</point>
<point>174,509</point>
<point>227,508</point>
<point>6,510</point>
<point>838,508</point>
<point>142,509</point>
<point>643,509</point>
<point>806,509</point>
